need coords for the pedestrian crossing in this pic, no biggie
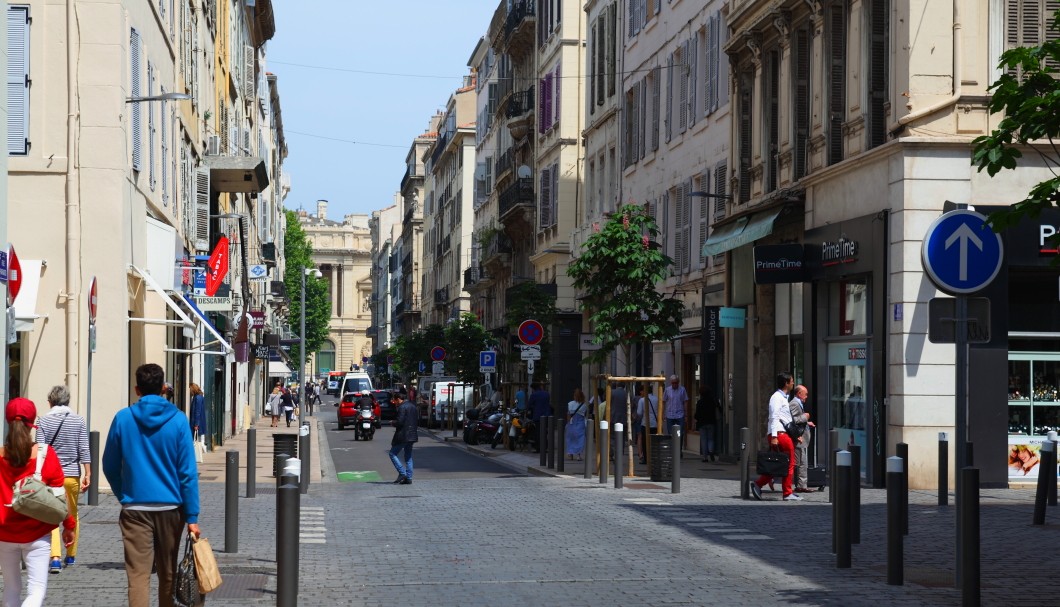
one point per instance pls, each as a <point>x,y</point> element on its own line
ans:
<point>313,529</point>
<point>703,524</point>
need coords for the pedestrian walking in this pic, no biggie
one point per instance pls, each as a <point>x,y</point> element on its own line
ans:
<point>67,434</point>
<point>197,411</point>
<point>779,415</point>
<point>576,412</point>
<point>310,395</point>
<point>287,404</point>
<point>540,404</point>
<point>405,436</point>
<point>274,405</point>
<point>149,461</point>
<point>647,406</point>
<point>707,422</point>
<point>801,416</point>
<point>675,405</point>
<point>619,415</point>
<point>24,539</point>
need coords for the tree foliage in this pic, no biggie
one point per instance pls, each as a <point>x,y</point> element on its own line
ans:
<point>383,372</point>
<point>298,255</point>
<point>618,271</point>
<point>462,339</point>
<point>410,350</point>
<point>1028,92</point>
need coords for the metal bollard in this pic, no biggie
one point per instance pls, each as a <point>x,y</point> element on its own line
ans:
<point>855,494</point>
<point>902,451</point>
<point>303,451</point>
<point>252,462</point>
<point>550,441</point>
<point>618,456</point>
<point>542,439</point>
<point>561,442</point>
<point>969,453</point>
<point>833,444</point>
<point>1041,496</point>
<point>93,449</point>
<point>605,451</point>
<point>895,499</point>
<point>278,462</point>
<point>970,569</point>
<point>590,453</point>
<point>288,513</point>
<point>842,507</point>
<point>232,501</point>
<point>944,470</point>
<point>745,462</point>
<point>831,496</point>
<point>675,479</point>
<point>1051,437</point>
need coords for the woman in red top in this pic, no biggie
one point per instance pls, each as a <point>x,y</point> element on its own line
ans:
<point>23,538</point>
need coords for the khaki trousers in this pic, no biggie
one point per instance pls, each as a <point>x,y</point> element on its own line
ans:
<point>151,537</point>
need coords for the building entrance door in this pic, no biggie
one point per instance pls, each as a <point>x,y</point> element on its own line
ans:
<point>848,393</point>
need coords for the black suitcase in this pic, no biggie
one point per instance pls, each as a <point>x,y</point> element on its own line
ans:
<point>817,476</point>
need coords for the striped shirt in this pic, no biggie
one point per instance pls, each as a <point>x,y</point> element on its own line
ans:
<point>71,445</point>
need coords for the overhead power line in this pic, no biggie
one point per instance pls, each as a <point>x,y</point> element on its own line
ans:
<point>340,140</point>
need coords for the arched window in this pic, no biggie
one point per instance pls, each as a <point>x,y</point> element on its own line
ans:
<point>326,357</point>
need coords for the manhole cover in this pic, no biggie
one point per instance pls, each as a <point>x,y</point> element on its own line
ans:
<point>242,586</point>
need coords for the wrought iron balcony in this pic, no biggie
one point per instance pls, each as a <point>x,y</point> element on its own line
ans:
<point>474,275</point>
<point>520,103</point>
<point>504,162</point>
<point>441,296</point>
<point>518,14</point>
<point>519,193</point>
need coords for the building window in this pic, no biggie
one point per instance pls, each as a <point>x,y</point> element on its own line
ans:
<point>17,80</point>
<point>879,34</point>
<point>848,307</point>
<point>837,52</point>
<point>800,76</point>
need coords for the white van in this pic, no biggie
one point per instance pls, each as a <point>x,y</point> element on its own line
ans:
<point>355,382</point>
<point>444,393</point>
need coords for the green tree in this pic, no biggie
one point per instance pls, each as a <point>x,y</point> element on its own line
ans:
<point>298,255</point>
<point>384,373</point>
<point>410,350</point>
<point>618,271</point>
<point>1028,92</point>
<point>464,339</point>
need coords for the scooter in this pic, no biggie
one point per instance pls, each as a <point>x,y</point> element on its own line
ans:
<point>364,427</point>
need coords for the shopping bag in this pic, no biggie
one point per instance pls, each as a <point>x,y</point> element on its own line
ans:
<point>205,566</point>
<point>772,463</point>
<point>185,585</point>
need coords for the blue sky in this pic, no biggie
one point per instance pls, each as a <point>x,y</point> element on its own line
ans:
<point>427,42</point>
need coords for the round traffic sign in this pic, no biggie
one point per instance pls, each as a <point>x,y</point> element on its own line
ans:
<point>437,353</point>
<point>530,332</point>
<point>14,275</point>
<point>961,254</point>
<point>92,301</point>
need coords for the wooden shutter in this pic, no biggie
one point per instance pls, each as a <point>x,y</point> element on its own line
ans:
<point>631,16</point>
<point>151,128</point>
<point>669,97</point>
<point>693,83</point>
<point>134,91</point>
<point>702,182</point>
<point>721,181</point>
<point>837,81</point>
<point>599,83</point>
<point>642,106</point>
<point>656,110</point>
<point>18,80</point>
<point>878,66</point>
<point>594,69</point>
<point>611,46</point>
<point>202,209</point>
<point>546,197</point>
<point>554,207</point>
<point>250,81</point>
<point>710,81</point>
<point>773,159</point>
<point>746,80</point>
<point>634,109</point>
<point>541,105</point>
<point>165,150</point>
<point>800,65</point>
<point>682,87</point>
<point>558,84</point>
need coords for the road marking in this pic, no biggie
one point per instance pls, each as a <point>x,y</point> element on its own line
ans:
<point>368,476</point>
<point>724,530</point>
<point>746,537</point>
<point>312,541</point>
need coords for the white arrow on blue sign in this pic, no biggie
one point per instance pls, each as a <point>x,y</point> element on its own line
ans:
<point>961,253</point>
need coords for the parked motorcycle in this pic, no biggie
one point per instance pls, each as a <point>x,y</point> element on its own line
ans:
<point>521,431</point>
<point>364,427</point>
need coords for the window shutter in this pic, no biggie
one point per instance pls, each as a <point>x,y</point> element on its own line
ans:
<point>185,43</point>
<point>656,110</point>
<point>801,66</point>
<point>558,84</point>
<point>721,63</point>
<point>680,222</point>
<point>151,128</point>
<point>594,69</point>
<point>682,83</point>
<point>702,185</point>
<point>165,150</point>
<point>634,110</point>
<point>745,136</point>
<point>694,79</point>
<point>18,80</point>
<point>773,160</point>
<point>134,91</point>
<point>603,60</point>
<point>642,104</point>
<point>721,181</point>
<point>632,6</point>
<point>202,209</point>
<point>249,75</point>
<point>554,211</point>
<point>837,82</point>
<point>541,105</point>
<point>879,34</point>
<point>669,97</point>
<point>627,124</point>
<point>546,196</point>
<point>610,46</point>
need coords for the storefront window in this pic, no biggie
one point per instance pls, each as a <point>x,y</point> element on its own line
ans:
<point>848,307</point>
<point>846,394</point>
<point>1034,393</point>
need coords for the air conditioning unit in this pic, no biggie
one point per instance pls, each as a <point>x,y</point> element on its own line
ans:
<point>213,145</point>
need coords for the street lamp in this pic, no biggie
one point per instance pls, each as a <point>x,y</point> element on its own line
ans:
<point>301,362</point>
<point>162,97</point>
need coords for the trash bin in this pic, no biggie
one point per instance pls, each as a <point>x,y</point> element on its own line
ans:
<point>283,443</point>
<point>662,457</point>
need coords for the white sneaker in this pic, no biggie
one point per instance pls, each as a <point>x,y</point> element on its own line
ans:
<point>794,497</point>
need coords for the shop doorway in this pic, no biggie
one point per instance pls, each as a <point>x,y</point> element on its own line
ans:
<point>848,393</point>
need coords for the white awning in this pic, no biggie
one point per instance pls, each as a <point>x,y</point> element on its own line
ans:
<point>26,303</point>
<point>197,313</point>
<point>278,368</point>
<point>172,305</point>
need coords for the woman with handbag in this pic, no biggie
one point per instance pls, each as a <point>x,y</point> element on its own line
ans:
<point>776,427</point>
<point>25,539</point>
<point>272,407</point>
<point>576,411</point>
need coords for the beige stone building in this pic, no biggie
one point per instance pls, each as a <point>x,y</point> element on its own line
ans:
<point>342,251</point>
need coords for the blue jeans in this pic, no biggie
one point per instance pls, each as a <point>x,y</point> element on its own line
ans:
<point>405,470</point>
<point>675,421</point>
<point>706,440</point>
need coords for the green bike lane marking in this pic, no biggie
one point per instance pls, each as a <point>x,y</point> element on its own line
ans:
<point>368,476</point>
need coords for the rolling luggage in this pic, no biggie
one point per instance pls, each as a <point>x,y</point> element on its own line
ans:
<point>816,475</point>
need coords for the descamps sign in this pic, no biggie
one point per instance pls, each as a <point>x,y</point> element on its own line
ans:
<point>779,263</point>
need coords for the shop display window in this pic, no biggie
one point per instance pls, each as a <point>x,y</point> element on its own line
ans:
<point>848,307</point>
<point>1034,393</point>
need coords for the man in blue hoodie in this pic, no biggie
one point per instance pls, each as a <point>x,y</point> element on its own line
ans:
<point>149,461</point>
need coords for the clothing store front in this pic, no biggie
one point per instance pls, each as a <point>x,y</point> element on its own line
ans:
<point>845,303</point>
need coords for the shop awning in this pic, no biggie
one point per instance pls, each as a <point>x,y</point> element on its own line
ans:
<point>172,305</point>
<point>278,369</point>
<point>744,230</point>
<point>188,301</point>
<point>26,303</point>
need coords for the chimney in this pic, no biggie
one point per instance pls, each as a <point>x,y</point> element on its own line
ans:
<point>322,209</point>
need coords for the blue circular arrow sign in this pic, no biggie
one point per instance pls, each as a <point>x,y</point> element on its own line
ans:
<point>961,253</point>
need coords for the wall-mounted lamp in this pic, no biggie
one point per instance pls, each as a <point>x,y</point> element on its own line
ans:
<point>162,97</point>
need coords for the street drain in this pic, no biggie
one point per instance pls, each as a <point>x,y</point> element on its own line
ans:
<point>242,586</point>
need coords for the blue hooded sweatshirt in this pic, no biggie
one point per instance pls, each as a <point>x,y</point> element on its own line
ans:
<point>150,458</point>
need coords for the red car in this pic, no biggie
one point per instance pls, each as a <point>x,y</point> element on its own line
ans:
<point>347,413</point>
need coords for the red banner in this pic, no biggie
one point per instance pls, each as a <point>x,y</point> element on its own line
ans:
<point>217,268</point>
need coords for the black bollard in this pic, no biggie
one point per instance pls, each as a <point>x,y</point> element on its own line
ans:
<point>843,496</point>
<point>542,439</point>
<point>855,494</point>
<point>252,462</point>
<point>550,442</point>
<point>561,442</point>
<point>303,451</point>
<point>895,500</point>
<point>231,501</point>
<point>288,513</point>
<point>969,454</point>
<point>1051,469</point>
<point>1041,496</point>
<point>833,444</point>
<point>832,490</point>
<point>619,437</point>
<point>278,462</point>
<point>590,453</point>
<point>970,569</point>
<point>944,470</point>
<point>676,438</point>
<point>93,450</point>
<point>902,451</point>
<point>605,452</point>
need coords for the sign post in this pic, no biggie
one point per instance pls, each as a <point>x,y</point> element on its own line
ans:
<point>961,255</point>
<point>92,307</point>
<point>530,333</point>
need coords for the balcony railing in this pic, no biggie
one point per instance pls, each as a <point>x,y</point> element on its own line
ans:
<point>497,245</point>
<point>474,275</point>
<point>504,162</point>
<point>520,103</point>
<point>517,14</point>
<point>519,193</point>
<point>441,296</point>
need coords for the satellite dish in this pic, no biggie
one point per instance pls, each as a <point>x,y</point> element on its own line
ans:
<point>523,172</point>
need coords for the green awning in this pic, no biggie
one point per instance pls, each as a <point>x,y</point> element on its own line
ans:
<point>744,230</point>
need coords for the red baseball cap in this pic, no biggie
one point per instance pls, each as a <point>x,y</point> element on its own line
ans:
<point>21,409</point>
